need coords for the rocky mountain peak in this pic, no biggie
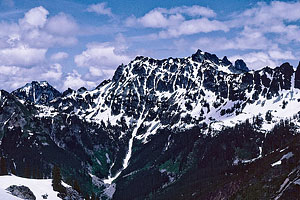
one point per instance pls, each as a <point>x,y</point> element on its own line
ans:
<point>225,61</point>
<point>38,92</point>
<point>81,90</point>
<point>198,56</point>
<point>297,77</point>
<point>240,65</point>
<point>67,92</point>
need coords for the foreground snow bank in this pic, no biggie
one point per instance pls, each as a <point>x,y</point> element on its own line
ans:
<point>5,195</point>
<point>39,187</point>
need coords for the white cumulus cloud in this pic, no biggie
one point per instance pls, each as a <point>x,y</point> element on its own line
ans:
<point>74,80</point>
<point>178,21</point>
<point>157,19</point>
<point>101,9</point>
<point>260,59</point>
<point>100,55</point>
<point>36,30</point>
<point>194,11</point>
<point>59,56</point>
<point>62,24</point>
<point>36,17</point>
<point>54,73</point>
<point>22,56</point>
<point>25,43</point>
<point>194,26</point>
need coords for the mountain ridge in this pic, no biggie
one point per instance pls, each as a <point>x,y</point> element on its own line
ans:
<point>149,104</point>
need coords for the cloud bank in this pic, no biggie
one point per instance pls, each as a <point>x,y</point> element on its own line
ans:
<point>65,50</point>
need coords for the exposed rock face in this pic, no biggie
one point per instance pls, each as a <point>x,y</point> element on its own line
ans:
<point>22,192</point>
<point>297,77</point>
<point>71,194</point>
<point>37,92</point>
<point>225,61</point>
<point>241,65</point>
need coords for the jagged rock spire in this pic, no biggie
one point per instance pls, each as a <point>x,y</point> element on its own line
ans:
<point>241,65</point>
<point>297,77</point>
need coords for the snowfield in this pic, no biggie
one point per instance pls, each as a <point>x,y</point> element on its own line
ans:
<point>5,195</point>
<point>39,187</point>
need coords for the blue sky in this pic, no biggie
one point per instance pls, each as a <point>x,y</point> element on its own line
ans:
<point>80,43</point>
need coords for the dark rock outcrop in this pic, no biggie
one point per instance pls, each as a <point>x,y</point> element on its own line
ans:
<point>22,192</point>
<point>225,61</point>
<point>297,77</point>
<point>241,65</point>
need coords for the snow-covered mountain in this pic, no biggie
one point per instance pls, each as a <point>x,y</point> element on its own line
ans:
<point>154,124</point>
<point>37,92</point>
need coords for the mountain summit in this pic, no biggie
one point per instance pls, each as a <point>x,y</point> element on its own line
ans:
<point>38,92</point>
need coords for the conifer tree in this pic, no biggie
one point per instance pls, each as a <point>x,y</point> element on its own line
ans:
<point>93,197</point>
<point>12,168</point>
<point>56,180</point>
<point>76,186</point>
<point>39,174</point>
<point>3,167</point>
<point>34,172</point>
<point>27,171</point>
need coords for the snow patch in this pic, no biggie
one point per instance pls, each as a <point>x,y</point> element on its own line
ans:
<point>39,187</point>
<point>286,156</point>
